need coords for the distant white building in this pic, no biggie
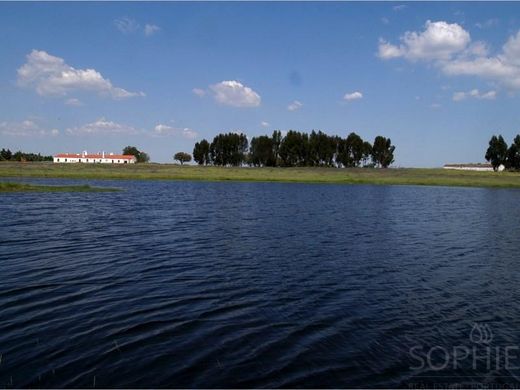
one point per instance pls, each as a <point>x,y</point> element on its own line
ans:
<point>100,158</point>
<point>474,167</point>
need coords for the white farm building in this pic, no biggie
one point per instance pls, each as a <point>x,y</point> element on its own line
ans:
<point>473,167</point>
<point>100,158</point>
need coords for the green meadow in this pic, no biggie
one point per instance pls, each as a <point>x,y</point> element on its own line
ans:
<point>390,176</point>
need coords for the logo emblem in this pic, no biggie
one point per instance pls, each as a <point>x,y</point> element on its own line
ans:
<point>481,334</point>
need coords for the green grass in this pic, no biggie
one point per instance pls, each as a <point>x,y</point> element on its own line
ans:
<point>404,176</point>
<point>24,187</point>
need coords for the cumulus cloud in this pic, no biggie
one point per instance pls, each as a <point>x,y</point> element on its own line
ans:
<point>438,41</point>
<point>265,124</point>
<point>475,94</point>
<point>199,92</point>
<point>449,47</point>
<point>51,76</point>
<point>233,93</point>
<point>399,7</point>
<point>151,29</point>
<point>102,126</point>
<point>294,106</point>
<point>353,96</point>
<point>185,132</point>
<point>26,128</point>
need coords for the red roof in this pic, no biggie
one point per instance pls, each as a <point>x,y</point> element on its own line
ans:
<point>97,156</point>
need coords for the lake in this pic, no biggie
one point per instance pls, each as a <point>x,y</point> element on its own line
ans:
<point>199,284</point>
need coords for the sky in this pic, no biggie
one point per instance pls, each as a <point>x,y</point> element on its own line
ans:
<point>439,79</point>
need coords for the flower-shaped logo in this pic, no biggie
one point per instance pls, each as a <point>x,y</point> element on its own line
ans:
<point>481,334</point>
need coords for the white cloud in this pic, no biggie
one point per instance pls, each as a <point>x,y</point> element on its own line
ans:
<point>199,92</point>
<point>126,25</point>
<point>296,105</point>
<point>353,96</point>
<point>449,48</point>
<point>439,41</point>
<point>233,93</point>
<point>387,51</point>
<point>399,7</point>
<point>475,94</point>
<point>26,128</point>
<point>385,20</point>
<point>102,127</point>
<point>265,124</point>
<point>151,29</point>
<point>186,132</point>
<point>503,68</point>
<point>73,102</point>
<point>50,75</point>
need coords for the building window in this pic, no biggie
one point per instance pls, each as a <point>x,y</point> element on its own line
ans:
<point>65,160</point>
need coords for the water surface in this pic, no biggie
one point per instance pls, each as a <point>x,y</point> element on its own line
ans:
<point>192,284</point>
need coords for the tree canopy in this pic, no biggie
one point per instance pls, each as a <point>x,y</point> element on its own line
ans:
<point>141,157</point>
<point>498,153</point>
<point>7,155</point>
<point>295,149</point>
<point>182,157</point>
<point>229,149</point>
<point>383,151</point>
<point>201,153</point>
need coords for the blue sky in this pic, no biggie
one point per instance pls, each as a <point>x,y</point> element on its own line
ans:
<point>437,78</point>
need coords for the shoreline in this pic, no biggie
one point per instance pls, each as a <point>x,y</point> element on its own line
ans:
<point>309,175</point>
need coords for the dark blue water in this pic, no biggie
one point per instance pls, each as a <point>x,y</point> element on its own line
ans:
<point>186,284</point>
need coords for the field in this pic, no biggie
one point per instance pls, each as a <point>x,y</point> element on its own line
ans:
<point>23,187</point>
<point>401,176</point>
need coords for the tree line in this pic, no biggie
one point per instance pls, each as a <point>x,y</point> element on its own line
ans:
<point>499,153</point>
<point>295,149</point>
<point>7,155</point>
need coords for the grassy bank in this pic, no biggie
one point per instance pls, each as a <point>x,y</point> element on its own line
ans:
<point>408,176</point>
<point>24,187</point>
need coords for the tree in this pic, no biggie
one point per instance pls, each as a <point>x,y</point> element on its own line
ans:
<point>497,151</point>
<point>383,152</point>
<point>513,154</point>
<point>277,140</point>
<point>201,153</point>
<point>182,157</point>
<point>141,157</point>
<point>322,149</point>
<point>262,152</point>
<point>294,149</point>
<point>367,152</point>
<point>229,149</point>
<point>6,154</point>
<point>351,151</point>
